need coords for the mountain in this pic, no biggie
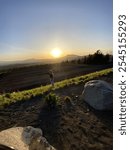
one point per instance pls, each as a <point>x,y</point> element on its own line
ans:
<point>33,60</point>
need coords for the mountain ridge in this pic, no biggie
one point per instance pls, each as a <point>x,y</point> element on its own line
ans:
<point>43,61</point>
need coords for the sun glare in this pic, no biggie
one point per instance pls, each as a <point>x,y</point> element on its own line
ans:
<point>56,53</point>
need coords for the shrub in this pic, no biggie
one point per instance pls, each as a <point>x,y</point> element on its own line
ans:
<point>51,100</point>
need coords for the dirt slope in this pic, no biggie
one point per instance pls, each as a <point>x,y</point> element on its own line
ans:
<point>70,126</point>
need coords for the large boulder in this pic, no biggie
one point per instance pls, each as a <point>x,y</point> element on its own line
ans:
<point>27,138</point>
<point>98,94</point>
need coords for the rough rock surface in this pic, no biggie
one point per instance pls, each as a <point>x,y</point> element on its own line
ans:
<point>27,138</point>
<point>98,94</point>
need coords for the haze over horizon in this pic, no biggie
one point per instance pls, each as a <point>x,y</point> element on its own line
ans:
<point>32,29</point>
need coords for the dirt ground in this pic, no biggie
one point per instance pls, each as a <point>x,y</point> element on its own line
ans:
<point>35,76</point>
<point>71,125</point>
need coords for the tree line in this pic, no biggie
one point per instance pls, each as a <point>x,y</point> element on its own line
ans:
<point>98,58</point>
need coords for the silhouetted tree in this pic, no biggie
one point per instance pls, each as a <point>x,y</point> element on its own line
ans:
<point>72,61</point>
<point>89,59</point>
<point>85,60</point>
<point>96,59</point>
<point>79,61</point>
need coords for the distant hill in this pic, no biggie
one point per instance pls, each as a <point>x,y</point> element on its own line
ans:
<point>33,61</point>
<point>70,57</point>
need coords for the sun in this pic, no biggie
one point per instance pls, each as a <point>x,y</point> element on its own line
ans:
<point>56,53</point>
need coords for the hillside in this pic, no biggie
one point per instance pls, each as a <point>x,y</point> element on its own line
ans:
<point>72,124</point>
<point>22,78</point>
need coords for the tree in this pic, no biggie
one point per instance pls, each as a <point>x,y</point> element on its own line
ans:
<point>85,60</point>
<point>79,61</point>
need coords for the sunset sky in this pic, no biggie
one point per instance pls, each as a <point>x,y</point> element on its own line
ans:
<point>33,28</point>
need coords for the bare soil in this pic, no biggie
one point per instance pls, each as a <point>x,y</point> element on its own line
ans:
<point>70,125</point>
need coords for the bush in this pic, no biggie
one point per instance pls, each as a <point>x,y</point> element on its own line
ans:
<point>51,100</point>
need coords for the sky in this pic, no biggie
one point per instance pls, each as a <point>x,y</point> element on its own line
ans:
<point>32,28</point>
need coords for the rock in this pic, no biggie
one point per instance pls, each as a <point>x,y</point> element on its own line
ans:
<point>27,138</point>
<point>98,94</point>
